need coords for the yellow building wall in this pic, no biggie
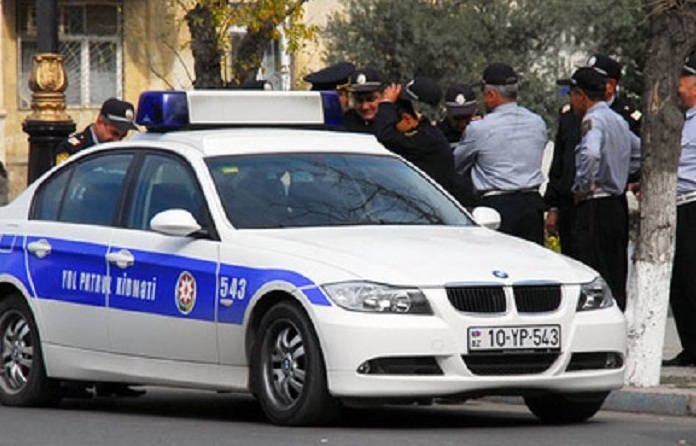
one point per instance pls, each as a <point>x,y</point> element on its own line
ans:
<point>312,57</point>
<point>150,61</point>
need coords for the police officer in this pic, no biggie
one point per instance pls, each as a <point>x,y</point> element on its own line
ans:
<point>560,217</point>
<point>461,107</point>
<point>683,286</point>
<point>504,151</point>
<point>367,85</point>
<point>403,131</point>
<point>115,119</point>
<point>336,78</point>
<point>602,161</point>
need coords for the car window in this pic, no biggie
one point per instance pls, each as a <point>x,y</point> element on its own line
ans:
<point>273,191</point>
<point>164,182</point>
<point>86,193</point>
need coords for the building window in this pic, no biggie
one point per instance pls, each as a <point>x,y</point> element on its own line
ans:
<point>89,34</point>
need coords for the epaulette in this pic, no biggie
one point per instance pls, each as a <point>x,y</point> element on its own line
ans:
<point>565,109</point>
<point>74,141</point>
<point>636,115</point>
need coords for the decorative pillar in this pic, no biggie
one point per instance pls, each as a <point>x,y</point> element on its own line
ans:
<point>48,124</point>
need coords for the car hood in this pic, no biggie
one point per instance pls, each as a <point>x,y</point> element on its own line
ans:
<point>426,256</point>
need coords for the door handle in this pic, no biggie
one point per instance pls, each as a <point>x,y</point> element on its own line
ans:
<point>40,248</point>
<point>123,258</point>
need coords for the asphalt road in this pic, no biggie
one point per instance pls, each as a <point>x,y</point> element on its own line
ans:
<point>175,417</point>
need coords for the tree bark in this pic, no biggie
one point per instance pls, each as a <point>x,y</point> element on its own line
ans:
<point>204,46</point>
<point>673,34</point>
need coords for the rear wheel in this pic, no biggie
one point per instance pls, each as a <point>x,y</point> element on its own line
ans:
<point>23,380</point>
<point>565,408</point>
<point>288,369</point>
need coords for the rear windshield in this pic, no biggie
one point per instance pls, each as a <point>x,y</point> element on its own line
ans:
<point>300,190</point>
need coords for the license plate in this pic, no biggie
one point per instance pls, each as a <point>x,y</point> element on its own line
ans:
<point>528,337</point>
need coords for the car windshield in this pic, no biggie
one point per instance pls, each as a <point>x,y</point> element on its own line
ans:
<point>299,190</point>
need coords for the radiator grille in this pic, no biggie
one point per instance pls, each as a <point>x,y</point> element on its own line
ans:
<point>537,298</point>
<point>477,299</point>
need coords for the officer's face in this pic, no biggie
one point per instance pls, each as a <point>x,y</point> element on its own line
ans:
<point>108,132</point>
<point>687,92</point>
<point>366,104</point>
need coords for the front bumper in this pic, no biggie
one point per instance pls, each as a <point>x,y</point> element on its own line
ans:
<point>350,339</point>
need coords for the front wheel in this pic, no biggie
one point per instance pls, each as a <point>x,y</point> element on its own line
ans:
<point>565,408</point>
<point>288,369</point>
<point>23,380</point>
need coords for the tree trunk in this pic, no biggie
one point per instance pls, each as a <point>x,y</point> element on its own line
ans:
<point>673,35</point>
<point>204,46</point>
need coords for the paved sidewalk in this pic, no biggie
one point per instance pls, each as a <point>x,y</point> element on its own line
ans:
<point>676,394</point>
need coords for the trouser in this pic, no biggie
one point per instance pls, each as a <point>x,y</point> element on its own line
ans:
<point>683,287</point>
<point>521,214</point>
<point>602,235</point>
<point>567,214</point>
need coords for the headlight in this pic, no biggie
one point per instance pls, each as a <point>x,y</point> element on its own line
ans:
<point>595,295</point>
<point>376,298</point>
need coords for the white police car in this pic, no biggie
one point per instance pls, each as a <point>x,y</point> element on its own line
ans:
<point>308,267</point>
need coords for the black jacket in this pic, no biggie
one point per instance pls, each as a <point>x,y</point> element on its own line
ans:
<point>74,144</point>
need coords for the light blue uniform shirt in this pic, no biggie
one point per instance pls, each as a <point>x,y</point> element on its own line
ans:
<point>686,173</point>
<point>504,149</point>
<point>604,154</point>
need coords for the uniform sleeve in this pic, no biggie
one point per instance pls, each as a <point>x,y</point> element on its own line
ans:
<point>465,151</point>
<point>587,155</point>
<point>409,146</point>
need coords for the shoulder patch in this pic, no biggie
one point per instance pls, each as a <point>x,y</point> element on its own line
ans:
<point>586,126</point>
<point>73,141</point>
<point>565,109</point>
<point>636,115</point>
<point>61,157</point>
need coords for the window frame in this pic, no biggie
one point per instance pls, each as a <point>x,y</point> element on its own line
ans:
<point>85,40</point>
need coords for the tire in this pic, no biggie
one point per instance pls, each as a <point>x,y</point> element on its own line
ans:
<point>288,371</point>
<point>557,408</point>
<point>23,380</point>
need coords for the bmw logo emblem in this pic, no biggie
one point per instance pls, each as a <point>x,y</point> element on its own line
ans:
<point>500,274</point>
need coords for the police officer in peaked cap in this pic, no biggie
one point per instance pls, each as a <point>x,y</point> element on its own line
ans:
<point>461,107</point>
<point>366,87</point>
<point>336,78</point>
<point>115,119</point>
<point>504,151</point>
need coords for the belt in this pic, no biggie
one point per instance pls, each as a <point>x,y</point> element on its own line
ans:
<point>495,193</point>
<point>686,197</point>
<point>598,193</point>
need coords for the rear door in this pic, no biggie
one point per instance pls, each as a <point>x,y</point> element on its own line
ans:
<point>67,241</point>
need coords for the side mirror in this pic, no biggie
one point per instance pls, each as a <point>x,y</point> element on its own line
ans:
<point>487,217</point>
<point>176,222</point>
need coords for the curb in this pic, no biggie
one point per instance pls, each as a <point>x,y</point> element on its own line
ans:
<point>664,400</point>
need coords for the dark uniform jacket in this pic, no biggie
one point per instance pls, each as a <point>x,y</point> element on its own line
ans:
<point>453,136</point>
<point>352,122</point>
<point>462,185</point>
<point>426,146</point>
<point>74,144</point>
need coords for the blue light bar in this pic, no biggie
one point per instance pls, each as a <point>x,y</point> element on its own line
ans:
<point>161,111</point>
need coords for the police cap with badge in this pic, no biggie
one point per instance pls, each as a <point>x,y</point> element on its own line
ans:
<point>422,89</point>
<point>366,80</point>
<point>460,100</point>
<point>333,77</point>
<point>689,68</point>
<point>119,113</point>
<point>606,66</point>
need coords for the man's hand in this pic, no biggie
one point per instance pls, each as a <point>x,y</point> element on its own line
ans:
<point>551,221</point>
<point>391,93</point>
